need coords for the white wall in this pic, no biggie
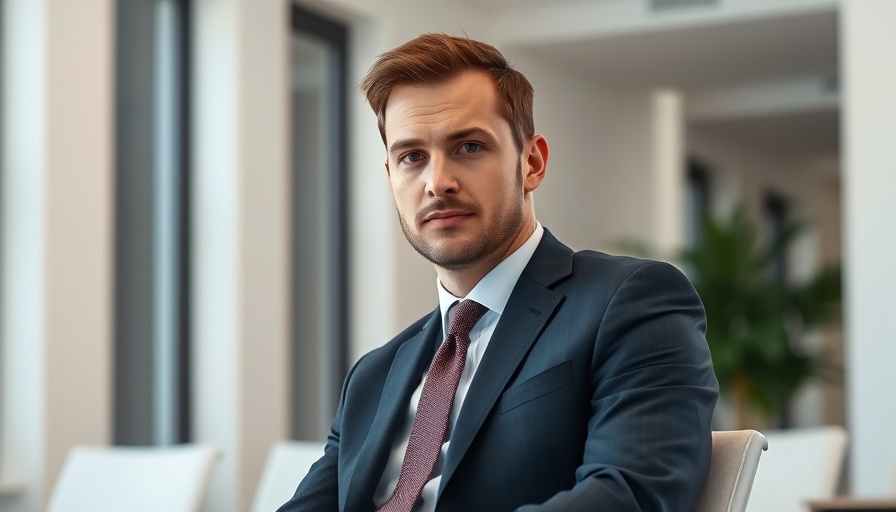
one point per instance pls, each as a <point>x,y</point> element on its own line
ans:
<point>868,53</point>
<point>578,118</point>
<point>57,238</point>
<point>240,321</point>
<point>614,171</point>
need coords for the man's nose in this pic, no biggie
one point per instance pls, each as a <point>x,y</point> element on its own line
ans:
<point>441,179</point>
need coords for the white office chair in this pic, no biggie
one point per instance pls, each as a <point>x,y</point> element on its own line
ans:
<point>803,464</point>
<point>287,465</point>
<point>735,457</point>
<point>136,479</point>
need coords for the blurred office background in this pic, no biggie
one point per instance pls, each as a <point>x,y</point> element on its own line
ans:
<point>198,237</point>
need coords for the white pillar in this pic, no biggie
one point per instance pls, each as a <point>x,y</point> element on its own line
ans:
<point>640,193</point>
<point>868,63</point>
<point>57,236</point>
<point>240,264</point>
<point>668,171</point>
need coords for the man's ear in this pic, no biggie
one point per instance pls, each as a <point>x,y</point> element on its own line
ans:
<point>536,162</point>
<point>386,165</point>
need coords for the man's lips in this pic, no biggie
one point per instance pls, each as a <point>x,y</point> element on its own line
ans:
<point>445,218</point>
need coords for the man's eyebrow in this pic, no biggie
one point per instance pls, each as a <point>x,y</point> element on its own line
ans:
<point>402,144</point>
<point>475,132</point>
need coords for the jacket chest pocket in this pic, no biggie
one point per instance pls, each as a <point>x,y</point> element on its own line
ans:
<point>553,379</point>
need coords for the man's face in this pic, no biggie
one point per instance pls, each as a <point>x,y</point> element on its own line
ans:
<point>455,172</point>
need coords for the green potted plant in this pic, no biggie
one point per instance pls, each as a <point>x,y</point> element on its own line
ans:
<point>754,320</point>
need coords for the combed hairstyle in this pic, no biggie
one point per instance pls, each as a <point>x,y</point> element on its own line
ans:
<point>432,58</point>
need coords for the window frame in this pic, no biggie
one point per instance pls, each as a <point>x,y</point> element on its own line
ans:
<point>335,36</point>
<point>697,187</point>
<point>161,398</point>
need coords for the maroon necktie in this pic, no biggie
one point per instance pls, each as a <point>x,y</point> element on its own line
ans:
<point>436,400</point>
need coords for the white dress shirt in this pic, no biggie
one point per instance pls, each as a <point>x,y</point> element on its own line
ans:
<point>493,292</point>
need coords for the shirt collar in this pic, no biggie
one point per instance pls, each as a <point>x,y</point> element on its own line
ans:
<point>493,291</point>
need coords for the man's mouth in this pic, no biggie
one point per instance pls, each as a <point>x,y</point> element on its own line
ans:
<point>446,218</point>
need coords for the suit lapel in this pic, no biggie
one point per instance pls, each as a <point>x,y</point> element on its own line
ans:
<point>530,307</point>
<point>408,366</point>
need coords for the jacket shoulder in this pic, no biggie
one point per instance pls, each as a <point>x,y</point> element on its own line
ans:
<point>614,268</point>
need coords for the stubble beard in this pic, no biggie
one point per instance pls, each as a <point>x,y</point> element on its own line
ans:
<point>507,224</point>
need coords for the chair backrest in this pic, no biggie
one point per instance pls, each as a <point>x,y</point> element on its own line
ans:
<point>803,464</point>
<point>137,479</point>
<point>735,457</point>
<point>287,465</point>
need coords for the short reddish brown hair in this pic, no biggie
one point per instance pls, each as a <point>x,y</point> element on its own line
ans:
<point>431,58</point>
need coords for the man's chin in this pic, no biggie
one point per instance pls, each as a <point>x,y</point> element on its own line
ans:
<point>452,258</point>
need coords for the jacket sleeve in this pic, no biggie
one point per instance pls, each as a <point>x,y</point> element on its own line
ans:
<point>318,490</point>
<point>654,391</point>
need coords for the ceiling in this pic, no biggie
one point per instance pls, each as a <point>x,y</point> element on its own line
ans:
<point>705,57</point>
<point>804,136</point>
<point>719,56</point>
<point>503,4</point>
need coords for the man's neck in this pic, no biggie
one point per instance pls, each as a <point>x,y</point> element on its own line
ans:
<point>459,282</point>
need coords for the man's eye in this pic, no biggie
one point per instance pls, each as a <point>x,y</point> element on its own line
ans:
<point>412,158</point>
<point>470,147</point>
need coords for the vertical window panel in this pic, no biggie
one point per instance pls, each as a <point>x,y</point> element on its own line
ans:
<point>152,249</point>
<point>696,202</point>
<point>319,232</point>
<point>775,210</point>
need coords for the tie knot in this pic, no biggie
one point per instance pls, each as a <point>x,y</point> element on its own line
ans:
<point>464,316</point>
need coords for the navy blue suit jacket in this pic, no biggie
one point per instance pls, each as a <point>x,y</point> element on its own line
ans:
<point>595,393</point>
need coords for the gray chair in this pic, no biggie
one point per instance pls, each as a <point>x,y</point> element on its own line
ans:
<point>287,465</point>
<point>136,479</point>
<point>735,457</point>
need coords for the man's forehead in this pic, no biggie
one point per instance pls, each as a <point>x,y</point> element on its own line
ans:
<point>469,88</point>
<point>467,101</point>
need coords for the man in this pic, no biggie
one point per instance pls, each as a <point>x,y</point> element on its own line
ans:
<point>546,379</point>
